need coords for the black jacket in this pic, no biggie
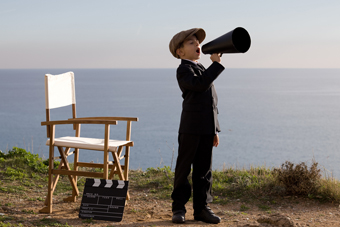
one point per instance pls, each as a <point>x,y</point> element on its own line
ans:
<point>199,113</point>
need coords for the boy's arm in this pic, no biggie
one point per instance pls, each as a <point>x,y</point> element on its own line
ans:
<point>188,79</point>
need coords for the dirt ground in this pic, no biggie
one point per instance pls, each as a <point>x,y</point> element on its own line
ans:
<point>142,210</point>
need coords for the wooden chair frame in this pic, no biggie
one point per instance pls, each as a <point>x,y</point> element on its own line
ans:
<point>64,169</point>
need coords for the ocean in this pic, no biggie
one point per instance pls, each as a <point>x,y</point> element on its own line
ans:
<point>267,116</point>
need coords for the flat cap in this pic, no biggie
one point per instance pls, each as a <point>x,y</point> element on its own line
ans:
<point>178,39</point>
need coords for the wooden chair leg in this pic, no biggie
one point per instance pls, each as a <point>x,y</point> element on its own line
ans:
<point>71,178</point>
<point>118,166</point>
<point>119,152</point>
<point>48,208</point>
<point>75,162</point>
<point>106,152</point>
<point>48,200</point>
<point>75,193</point>
<point>112,172</point>
<point>119,170</point>
<point>126,164</point>
<point>56,177</point>
<point>55,181</point>
<point>127,155</point>
<point>126,168</point>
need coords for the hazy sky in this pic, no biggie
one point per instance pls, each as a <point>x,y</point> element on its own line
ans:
<point>136,34</point>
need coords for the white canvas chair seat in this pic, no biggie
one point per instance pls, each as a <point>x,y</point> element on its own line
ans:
<point>88,143</point>
<point>60,92</point>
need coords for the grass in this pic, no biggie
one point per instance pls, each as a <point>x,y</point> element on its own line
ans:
<point>255,183</point>
<point>49,222</point>
<point>244,208</point>
<point>260,185</point>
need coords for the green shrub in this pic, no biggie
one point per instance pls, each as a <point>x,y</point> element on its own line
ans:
<point>14,174</point>
<point>55,163</point>
<point>22,159</point>
<point>298,179</point>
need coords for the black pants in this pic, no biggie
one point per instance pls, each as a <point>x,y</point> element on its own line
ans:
<point>195,150</point>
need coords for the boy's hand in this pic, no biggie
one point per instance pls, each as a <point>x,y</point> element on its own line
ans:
<point>216,140</point>
<point>216,57</point>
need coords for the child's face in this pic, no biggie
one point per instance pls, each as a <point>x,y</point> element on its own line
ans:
<point>190,50</point>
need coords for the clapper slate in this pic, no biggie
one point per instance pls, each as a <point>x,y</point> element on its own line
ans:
<point>103,199</point>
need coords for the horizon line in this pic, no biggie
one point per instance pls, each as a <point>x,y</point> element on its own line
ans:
<point>170,68</point>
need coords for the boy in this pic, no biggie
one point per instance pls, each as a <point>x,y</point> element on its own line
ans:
<point>198,130</point>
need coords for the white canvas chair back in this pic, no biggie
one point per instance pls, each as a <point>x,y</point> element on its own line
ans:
<point>59,90</point>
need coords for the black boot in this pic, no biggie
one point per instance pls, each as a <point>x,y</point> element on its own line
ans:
<point>178,216</point>
<point>208,216</point>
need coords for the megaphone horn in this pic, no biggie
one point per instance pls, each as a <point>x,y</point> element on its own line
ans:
<point>235,41</point>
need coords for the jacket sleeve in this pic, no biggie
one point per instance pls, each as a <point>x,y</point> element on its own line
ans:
<point>189,80</point>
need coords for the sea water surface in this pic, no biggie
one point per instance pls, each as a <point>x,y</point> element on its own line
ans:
<point>267,116</point>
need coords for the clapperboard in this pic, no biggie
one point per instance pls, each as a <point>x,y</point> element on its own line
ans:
<point>103,199</point>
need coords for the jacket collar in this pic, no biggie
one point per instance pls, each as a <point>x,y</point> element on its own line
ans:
<point>197,65</point>
<point>185,61</point>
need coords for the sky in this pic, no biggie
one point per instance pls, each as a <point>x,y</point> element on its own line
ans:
<point>136,34</point>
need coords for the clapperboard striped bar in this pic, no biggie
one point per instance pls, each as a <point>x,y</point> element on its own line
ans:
<point>103,199</point>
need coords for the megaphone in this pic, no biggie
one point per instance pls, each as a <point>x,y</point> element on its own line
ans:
<point>235,41</point>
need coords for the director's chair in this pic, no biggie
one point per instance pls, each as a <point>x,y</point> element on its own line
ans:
<point>59,92</point>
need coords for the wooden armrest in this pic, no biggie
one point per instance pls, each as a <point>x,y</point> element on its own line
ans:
<point>111,118</point>
<point>80,121</point>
